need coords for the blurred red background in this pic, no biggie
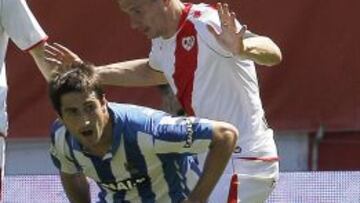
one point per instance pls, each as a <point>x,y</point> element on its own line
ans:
<point>318,82</point>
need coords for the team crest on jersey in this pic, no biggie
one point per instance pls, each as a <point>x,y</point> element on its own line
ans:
<point>188,42</point>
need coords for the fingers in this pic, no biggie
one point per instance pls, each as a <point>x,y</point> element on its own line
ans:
<point>52,51</point>
<point>53,61</point>
<point>227,18</point>
<point>63,49</point>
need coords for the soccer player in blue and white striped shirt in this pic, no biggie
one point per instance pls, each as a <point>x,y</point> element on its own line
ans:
<point>135,154</point>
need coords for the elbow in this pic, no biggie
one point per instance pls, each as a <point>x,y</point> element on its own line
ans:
<point>274,58</point>
<point>277,57</point>
<point>230,135</point>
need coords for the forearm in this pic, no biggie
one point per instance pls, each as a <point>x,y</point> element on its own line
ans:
<point>130,73</point>
<point>76,188</point>
<point>219,154</point>
<point>261,50</point>
<point>38,55</point>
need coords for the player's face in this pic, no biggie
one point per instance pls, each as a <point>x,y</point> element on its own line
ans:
<point>85,116</point>
<point>147,16</point>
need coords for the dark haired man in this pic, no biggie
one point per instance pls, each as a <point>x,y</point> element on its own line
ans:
<point>135,154</point>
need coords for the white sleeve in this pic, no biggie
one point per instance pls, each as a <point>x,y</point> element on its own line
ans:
<point>154,56</point>
<point>60,153</point>
<point>212,19</point>
<point>20,24</point>
<point>3,95</point>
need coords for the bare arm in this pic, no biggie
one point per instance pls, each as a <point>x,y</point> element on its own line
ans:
<point>221,148</point>
<point>130,73</point>
<point>38,54</point>
<point>76,187</point>
<point>260,49</point>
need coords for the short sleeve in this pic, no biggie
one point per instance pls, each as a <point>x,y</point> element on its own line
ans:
<point>154,60</point>
<point>3,96</point>
<point>182,135</point>
<point>59,152</point>
<point>20,24</point>
<point>211,18</point>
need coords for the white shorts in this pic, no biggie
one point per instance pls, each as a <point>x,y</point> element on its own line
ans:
<point>256,181</point>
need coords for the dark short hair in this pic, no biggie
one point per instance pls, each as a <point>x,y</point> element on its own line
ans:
<point>80,78</point>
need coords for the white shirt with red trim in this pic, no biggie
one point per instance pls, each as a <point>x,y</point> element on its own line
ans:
<point>210,83</point>
<point>17,23</point>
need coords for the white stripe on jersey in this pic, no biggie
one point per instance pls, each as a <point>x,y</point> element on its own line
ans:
<point>158,182</point>
<point>121,173</point>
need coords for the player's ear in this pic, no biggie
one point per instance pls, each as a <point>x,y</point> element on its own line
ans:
<point>59,117</point>
<point>103,100</point>
<point>103,103</point>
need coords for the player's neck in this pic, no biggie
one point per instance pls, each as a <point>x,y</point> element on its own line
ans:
<point>173,18</point>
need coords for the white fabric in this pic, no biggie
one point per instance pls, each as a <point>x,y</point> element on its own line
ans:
<point>3,96</point>
<point>224,88</point>
<point>17,23</point>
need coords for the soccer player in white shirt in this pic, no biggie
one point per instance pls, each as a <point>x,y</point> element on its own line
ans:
<point>18,24</point>
<point>208,59</point>
<point>135,154</point>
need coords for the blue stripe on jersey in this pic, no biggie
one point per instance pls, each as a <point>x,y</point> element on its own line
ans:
<point>180,133</point>
<point>56,161</point>
<point>117,130</point>
<point>183,170</point>
<point>135,158</point>
<point>119,198</point>
<point>55,126</point>
<point>103,170</point>
<point>177,193</point>
<point>194,165</point>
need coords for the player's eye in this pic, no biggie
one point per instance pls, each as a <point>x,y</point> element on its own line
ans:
<point>90,108</point>
<point>72,111</point>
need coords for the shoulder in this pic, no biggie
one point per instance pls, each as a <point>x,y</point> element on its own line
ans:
<point>130,114</point>
<point>202,15</point>
<point>58,131</point>
<point>59,138</point>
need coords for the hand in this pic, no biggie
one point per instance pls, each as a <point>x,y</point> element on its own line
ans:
<point>228,37</point>
<point>61,57</point>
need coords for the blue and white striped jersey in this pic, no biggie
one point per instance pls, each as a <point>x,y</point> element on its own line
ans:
<point>149,160</point>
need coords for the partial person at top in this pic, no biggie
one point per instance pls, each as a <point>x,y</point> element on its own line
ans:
<point>18,24</point>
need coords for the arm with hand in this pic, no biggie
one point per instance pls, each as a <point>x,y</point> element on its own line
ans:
<point>76,187</point>
<point>260,49</point>
<point>128,73</point>
<point>38,54</point>
<point>221,147</point>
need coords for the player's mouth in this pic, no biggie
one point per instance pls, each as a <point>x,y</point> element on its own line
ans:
<point>87,133</point>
